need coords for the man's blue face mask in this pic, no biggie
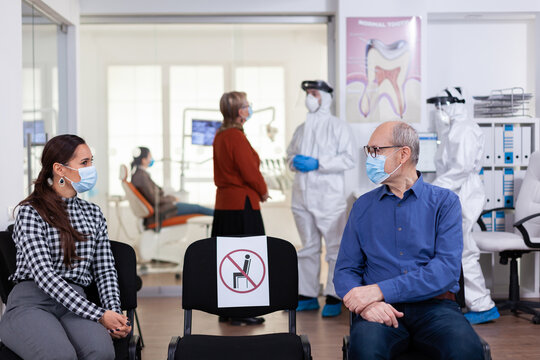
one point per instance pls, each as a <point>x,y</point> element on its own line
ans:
<point>375,168</point>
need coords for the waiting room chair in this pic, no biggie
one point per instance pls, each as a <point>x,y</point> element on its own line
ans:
<point>125,264</point>
<point>511,246</point>
<point>412,353</point>
<point>161,239</point>
<point>199,292</point>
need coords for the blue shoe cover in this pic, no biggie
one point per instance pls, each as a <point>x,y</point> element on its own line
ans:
<point>331,310</point>
<point>309,304</point>
<point>480,317</point>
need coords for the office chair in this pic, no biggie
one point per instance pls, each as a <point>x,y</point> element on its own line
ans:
<point>199,292</point>
<point>511,246</point>
<point>162,238</point>
<point>412,353</point>
<point>125,264</point>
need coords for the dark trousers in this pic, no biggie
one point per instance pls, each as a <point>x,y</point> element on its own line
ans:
<point>246,222</point>
<point>437,328</point>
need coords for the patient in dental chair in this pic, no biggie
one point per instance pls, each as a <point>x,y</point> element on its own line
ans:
<point>167,205</point>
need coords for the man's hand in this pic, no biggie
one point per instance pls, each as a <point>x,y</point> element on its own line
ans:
<point>361,296</point>
<point>382,313</point>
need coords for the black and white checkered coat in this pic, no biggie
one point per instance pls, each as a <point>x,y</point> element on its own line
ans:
<point>40,258</point>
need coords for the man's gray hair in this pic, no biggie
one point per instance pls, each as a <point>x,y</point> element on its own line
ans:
<point>404,134</point>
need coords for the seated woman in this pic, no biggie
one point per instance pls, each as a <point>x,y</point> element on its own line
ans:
<point>168,205</point>
<point>62,246</point>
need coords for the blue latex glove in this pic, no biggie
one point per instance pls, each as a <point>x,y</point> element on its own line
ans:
<point>305,163</point>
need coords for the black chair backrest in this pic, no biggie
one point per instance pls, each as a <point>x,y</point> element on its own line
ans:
<point>8,263</point>
<point>125,262</point>
<point>199,288</point>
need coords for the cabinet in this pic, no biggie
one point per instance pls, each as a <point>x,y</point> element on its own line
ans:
<point>508,145</point>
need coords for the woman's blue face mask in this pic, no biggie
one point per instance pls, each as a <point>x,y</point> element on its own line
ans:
<point>88,178</point>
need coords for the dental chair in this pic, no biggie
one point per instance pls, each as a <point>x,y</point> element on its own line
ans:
<point>160,239</point>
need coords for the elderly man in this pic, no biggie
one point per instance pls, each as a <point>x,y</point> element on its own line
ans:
<point>400,258</point>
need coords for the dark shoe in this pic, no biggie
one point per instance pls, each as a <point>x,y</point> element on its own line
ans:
<point>247,321</point>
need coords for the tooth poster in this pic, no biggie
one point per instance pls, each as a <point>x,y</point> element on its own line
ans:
<point>383,69</point>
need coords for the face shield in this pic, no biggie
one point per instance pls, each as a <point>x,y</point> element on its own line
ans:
<point>438,114</point>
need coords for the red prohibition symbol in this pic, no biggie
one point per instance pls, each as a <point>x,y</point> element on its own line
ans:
<point>228,257</point>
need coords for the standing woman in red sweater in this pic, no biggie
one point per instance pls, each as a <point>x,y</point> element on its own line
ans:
<point>240,184</point>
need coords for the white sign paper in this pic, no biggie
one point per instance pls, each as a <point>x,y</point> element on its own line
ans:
<point>242,271</point>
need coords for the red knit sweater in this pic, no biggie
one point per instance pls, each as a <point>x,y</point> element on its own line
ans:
<point>236,171</point>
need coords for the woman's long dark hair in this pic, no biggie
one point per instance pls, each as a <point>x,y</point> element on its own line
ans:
<point>49,205</point>
<point>144,151</point>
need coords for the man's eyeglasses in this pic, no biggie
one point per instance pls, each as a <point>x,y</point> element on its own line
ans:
<point>375,151</point>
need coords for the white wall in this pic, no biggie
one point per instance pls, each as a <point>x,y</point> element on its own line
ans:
<point>480,56</point>
<point>11,134</point>
<point>207,7</point>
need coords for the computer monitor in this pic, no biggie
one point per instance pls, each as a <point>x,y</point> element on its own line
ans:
<point>428,150</point>
<point>37,129</point>
<point>204,131</point>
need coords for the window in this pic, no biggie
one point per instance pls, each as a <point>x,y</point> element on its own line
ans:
<point>135,118</point>
<point>194,87</point>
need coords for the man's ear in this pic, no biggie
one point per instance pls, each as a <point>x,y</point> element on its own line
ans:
<point>405,154</point>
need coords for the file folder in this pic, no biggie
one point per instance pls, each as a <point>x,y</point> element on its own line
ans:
<point>519,175</point>
<point>517,146</point>
<point>526,148</point>
<point>499,221</point>
<point>488,145</point>
<point>498,145</point>
<point>487,179</point>
<point>508,187</point>
<point>498,188</point>
<point>488,221</point>
<point>508,144</point>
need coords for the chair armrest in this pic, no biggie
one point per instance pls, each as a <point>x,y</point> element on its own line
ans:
<point>172,347</point>
<point>484,212</point>
<point>306,347</point>
<point>524,233</point>
<point>525,219</point>
<point>480,221</point>
<point>486,348</point>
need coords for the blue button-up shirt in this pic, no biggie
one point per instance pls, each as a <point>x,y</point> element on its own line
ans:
<point>410,247</point>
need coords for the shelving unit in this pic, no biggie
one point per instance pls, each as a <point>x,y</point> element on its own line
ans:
<point>506,170</point>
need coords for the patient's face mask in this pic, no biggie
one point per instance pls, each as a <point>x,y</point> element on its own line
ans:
<point>312,103</point>
<point>88,178</point>
<point>375,168</point>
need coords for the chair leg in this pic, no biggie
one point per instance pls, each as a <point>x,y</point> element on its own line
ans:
<point>139,328</point>
<point>514,303</point>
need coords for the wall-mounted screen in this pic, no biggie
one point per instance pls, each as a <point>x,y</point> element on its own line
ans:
<point>204,131</point>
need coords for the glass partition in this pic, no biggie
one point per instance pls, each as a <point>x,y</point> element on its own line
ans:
<point>40,86</point>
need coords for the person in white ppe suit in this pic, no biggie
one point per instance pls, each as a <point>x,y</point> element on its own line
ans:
<point>320,151</point>
<point>458,163</point>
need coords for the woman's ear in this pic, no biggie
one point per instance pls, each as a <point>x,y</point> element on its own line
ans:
<point>58,169</point>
